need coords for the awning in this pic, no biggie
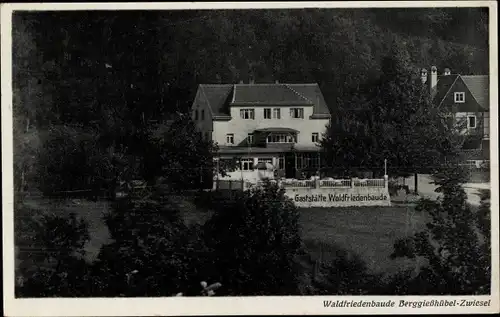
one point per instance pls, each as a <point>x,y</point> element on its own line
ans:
<point>278,129</point>
<point>251,150</point>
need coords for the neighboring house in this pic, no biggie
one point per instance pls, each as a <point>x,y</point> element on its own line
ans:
<point>467,100</point>
<point>278,123</point>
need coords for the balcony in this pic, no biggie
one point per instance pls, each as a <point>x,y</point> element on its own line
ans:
<point>276,137</point>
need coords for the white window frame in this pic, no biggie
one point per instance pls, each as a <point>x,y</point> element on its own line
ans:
<point>269,113</point>
<point>250,138</point>
<point>276,113</point>
<point>247,164</point>
<point>459,97</point>
<point>468,122</point>
<point>230,138</point>
<point>247,114</point>
<point>265,160</point>
<point>281,163</point>
<point>281,138</point>
<point>315,137</point>
<point>297,111</point>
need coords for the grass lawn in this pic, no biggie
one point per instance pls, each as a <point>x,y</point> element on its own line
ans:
<point>369,232</point>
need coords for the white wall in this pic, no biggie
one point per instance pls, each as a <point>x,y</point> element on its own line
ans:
<point>339,197</point>
<point>242,127</point>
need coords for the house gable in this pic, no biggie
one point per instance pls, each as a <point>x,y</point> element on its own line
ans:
<point>447,99</point>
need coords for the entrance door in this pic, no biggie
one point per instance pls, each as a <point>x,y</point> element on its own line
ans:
<point>290,165</point>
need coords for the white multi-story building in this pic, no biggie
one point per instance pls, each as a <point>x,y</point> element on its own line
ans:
<point>278,123</point>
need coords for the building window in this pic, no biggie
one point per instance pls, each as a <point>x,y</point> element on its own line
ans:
<point>265,160</point>
<point>297,113</point>
<point>202,114</point>
<point>230,138</point>
<point>267,113</point>
<point>196,114</point>
<point>471,122</point>
<point>247,114</point>
<point>460,97</point>
<point>250,138</point>
<point>281,163</point>
<point>315,137</point>
<point>280,138</point>
<point>277,113</point>
<point>247,164</point>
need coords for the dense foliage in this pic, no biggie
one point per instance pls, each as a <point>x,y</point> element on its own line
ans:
<point>456,243</point>
<point>390,118</point>
<point>49,254</point>
<point>255,240</point>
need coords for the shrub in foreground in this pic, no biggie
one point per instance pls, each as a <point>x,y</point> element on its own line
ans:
<point>255,239</point>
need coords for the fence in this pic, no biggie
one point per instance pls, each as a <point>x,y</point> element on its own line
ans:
<point>304,184</point>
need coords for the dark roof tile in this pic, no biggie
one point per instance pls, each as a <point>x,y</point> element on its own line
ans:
<point>479,86</point>
<point>221,96</point>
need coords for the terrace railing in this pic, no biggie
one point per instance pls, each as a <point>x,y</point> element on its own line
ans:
<point>317,183</point>
<point>369,182</point>
<point>298,184</point>
<point>335,183</point>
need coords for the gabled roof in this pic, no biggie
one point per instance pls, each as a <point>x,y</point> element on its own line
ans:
<point>217,97</point>
<point>221,96</point>
<point>479,86</point>
<point>444,85</point>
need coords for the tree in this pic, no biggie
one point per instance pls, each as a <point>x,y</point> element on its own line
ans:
<point>153,252</point>
<point>49,257</point>
<point>255,240</point>
<point>451,244</point>
<point>394,119</point>
<point>186,159</point>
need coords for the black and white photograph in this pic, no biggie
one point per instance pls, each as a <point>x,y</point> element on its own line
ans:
<point>333,153</point>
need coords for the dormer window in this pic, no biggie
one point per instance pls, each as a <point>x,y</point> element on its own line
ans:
<point>196,114</point>
<point>459,97</point>
<point>202,115</point>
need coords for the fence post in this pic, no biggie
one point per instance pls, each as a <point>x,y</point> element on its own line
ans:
<point>386,181</point>
<point>316,183</point>
<point>352,182</point>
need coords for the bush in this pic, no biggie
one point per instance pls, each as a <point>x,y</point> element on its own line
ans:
<point>49,261</point>
<point>452,243</point>
<point>345,274</point>
<point>153,253</point>
<point>255,239</point>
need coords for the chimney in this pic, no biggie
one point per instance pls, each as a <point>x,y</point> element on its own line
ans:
<point>447,71</point>
<point>276,81</point>
<point>423,75</point>
<point>433,80</point>
<point>241,81</point>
